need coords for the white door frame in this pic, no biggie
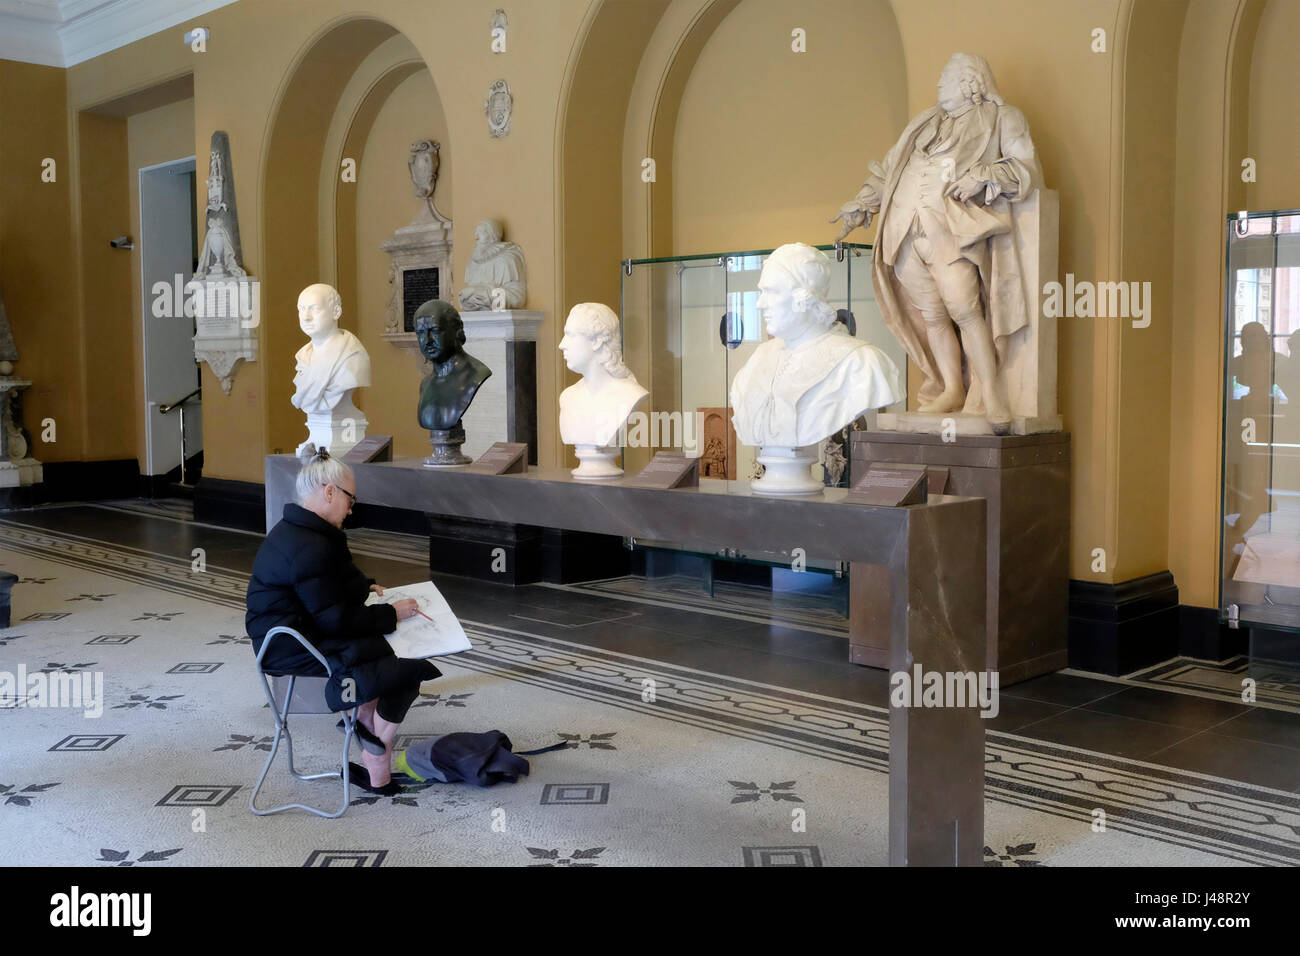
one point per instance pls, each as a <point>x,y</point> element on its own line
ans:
<point>145,300</point>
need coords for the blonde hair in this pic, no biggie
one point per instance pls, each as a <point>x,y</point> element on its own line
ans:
<point>320,470</point>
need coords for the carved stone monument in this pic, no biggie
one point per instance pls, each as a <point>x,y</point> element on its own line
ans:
<point>329,368</point>
<point>495,276</point>
<point>594,409</point>
<point>449,388</point>
<point>967,237</point>
<point>420,252</point>
<point>17,466</point>
<point>497,107</point>
<point>810,379</point>
<point>224,295</point>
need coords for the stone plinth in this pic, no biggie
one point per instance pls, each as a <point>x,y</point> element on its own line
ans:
<point>1026,481</point>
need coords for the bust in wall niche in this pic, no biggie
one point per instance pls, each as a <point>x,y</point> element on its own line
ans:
<point>495,277</point>
<point>810,379</point>
<point>594,409</point>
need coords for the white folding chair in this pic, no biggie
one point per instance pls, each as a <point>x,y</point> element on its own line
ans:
<point>309,700</point>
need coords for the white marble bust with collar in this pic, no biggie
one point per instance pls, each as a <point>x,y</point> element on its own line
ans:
<point>810,379</point>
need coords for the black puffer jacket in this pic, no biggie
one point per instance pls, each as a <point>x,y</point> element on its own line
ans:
<point>304,578</point>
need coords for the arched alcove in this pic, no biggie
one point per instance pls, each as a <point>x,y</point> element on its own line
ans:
<point>355,79</point>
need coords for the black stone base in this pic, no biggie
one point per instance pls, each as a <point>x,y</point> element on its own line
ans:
<point>1266,644</point>
<point>1119,628</point>
<point>1203,636</point>
<point>230,503</point>
<point>572,556</point>
<point>88,480</point>
<point>485,550</point>
<point>7,581</point>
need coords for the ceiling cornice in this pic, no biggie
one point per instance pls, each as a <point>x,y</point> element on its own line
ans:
<point>67,32</point>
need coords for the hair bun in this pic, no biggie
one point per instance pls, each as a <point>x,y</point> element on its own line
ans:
<point>322,454</point>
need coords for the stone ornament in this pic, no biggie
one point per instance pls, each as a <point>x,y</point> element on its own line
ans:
<point>955,251</point>
<point>495,276</point>
<point>498,107</point>
<point>329,368</point>
<point>810,379</point>
<point>423,163</point>
<point>221,256</point>
<point>226,296</point>
<point>594,409</point>
<point>449,388</point>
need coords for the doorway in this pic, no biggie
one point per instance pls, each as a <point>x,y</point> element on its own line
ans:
<point>168,254</point>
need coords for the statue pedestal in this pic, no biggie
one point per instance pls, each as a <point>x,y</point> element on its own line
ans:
<point>505,406</point>
<point>961,423</point>
<point>17,467</point>
<point>787,471</point>
<point>338,429</point>
<point>596,462</point>
<point>1026,481</point>
<point>446,444</point>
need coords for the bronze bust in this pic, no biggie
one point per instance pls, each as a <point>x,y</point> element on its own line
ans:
<point>447,391</point>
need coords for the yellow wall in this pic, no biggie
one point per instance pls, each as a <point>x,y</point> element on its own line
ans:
<point>386,202</point>
<point>37,260</point>
<point>755,145</point>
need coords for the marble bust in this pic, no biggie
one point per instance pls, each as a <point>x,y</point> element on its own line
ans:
<point>449,388</point>
<point>595,408</point>
<point>495,277</point>
<point>329,368</point>
<point>949,250</point>
<point>810,379</point>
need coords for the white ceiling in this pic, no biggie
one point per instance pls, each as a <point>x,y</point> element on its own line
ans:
<point>67,32</point>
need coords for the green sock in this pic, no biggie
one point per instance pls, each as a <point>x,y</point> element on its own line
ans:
<point>400,764</point>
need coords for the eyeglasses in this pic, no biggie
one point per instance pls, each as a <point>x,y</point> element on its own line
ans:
<point>351,496</point>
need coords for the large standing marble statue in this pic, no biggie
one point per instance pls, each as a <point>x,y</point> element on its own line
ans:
<point>595,408</point>
<point>329,368</point>
<point>947,250</point>
<point>810,379</point>
<point>494,276</point>
<point>448,389</point>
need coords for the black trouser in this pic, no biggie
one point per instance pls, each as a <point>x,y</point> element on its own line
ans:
<point>392,681</point>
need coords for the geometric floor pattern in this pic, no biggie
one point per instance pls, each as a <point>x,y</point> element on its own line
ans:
<point>664,765</point>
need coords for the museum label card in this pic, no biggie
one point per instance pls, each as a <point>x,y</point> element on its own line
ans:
<point>670,471</point>
<point>891,487</point>
<point>503,458</point>
<point>370,448</point>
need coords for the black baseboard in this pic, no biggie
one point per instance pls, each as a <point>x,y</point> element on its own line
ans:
<point>1118,628</point>
<point>167,485</point>
<point>383,518</point>
<point>1202,635</point>
<point>572,556</point>
<point>230,503</point>
<point>485,550</point>
<point>1266,644</point>
<point>87,480</point>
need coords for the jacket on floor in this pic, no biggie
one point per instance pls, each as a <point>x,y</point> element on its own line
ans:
<point>303,577</point>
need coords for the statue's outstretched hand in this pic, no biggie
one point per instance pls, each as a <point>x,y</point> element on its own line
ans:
<point>853,217</point>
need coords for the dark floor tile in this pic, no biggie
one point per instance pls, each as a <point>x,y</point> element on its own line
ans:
<point>1017,712</point>
<point>1165,707</point>
<point>861,684</point>
<point>1064,689</point>
<point>1235,758</point>
<point>1104,733</point>
<point>787,641</point>
<point>1278,727</point>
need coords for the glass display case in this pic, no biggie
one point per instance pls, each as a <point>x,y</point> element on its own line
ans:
<point>693,322</point>
<point>698,317</point>
<point>1260,542</point>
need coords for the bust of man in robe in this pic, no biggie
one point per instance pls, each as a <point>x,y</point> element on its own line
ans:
<point>493,265</point>
<point>334,362</point>
<point>812,377</point>
<point>594,408</point>
<point>446,392</point>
